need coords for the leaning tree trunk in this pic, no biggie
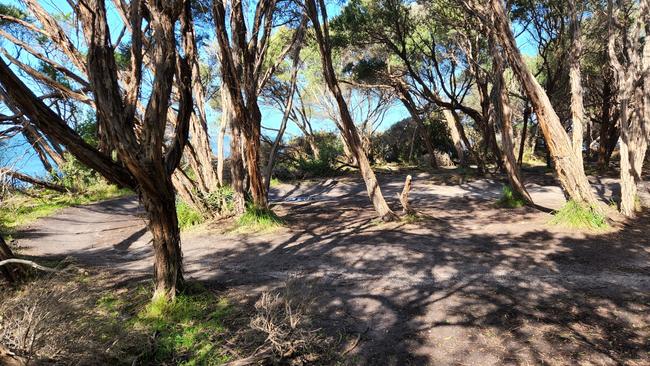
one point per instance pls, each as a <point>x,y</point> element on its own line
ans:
<point>503,112</point>
<point>524,132</point>
<point>163,224</point>
<point>575,80</point>
<point>237,173</point>
<point>566,164</point>
<point>348,129</point>
<point>455,136</point>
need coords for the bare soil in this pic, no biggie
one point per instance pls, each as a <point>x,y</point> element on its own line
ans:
<point>466,283</point>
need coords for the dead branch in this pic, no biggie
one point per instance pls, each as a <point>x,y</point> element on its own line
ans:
<point>28,263</point>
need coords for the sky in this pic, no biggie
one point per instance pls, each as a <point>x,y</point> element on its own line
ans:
<point>18,154</point>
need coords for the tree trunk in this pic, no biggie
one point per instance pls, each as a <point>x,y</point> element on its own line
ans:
<point>226,115</point>
<point>163,224</point>
<point>237,171</point>
<point>503,113</point>
<point>12,272</point>
<point>566,164</point>
<point>348,129</point>
<point>575,80</point>
<point>607,124</point>
<point>524,131</point>
<point>455,136</point>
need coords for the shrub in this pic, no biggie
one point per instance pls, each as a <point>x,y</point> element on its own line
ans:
<point>574,215</point>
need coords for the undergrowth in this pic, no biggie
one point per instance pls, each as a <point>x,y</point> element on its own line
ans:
<point>576,216</point>
<point>510,198</point>
<point>188,217</point>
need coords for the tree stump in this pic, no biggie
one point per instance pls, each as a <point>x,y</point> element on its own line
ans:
<point>404,197</point>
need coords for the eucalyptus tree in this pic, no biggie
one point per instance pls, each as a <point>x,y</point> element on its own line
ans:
<point>133,119</point>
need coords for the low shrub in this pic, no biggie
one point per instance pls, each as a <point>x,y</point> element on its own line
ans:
<point>257,219</point>
<point>187,216</point>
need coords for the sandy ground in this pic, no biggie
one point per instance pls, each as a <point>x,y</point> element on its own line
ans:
<point>466,284</point>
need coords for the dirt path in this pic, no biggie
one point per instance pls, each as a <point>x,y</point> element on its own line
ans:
<point>466,284</point>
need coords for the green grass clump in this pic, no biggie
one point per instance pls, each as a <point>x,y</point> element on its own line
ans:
<point>258,219</point>
<point>187,329</point>
<point>188,216</point>
<point>576,216</point>
<point>510,198</point>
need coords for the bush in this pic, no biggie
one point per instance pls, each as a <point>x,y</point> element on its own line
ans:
<point>510,198</point>
<point>221,199</point>
<point>75,175</point>
<point>576,216</point>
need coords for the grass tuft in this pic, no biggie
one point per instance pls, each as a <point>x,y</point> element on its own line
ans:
<point>576,216</point>
<point>188,217</point>
<point>258,220</point>
<point>187,328</point>
<point>510,198</point>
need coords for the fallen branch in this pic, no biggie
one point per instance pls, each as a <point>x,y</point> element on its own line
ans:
<point>28,263</point>
<point>28,179</point>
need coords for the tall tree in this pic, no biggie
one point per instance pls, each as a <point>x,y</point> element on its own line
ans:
<point>146,159</point>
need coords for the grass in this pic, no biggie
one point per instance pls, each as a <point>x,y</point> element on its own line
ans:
<point>188,217</point>
<point>258,220</point>
<point>510,198</point>
<point>20,209</point>
<point>576,216</point>
<point>275,182</point>
<point>187,328</point>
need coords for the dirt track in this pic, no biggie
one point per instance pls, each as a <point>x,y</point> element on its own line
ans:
<point>466,284</point>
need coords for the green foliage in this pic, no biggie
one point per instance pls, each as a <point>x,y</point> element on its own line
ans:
<point>257,219</point>
<point>221,199</point>
<point>187,329</point>
<point>301,163</point>
<point>188,216</point>
<point>394,144</point>
<point>576,216</point>
<point>510,198</point>
<point>75,175</point>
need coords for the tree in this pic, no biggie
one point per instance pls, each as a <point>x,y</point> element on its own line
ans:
<point>630,61</point>
<point>566,163</point>
<point>348,129</point>
<point>145,159</point>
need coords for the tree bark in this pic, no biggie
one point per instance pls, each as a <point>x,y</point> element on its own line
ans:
<point>31,180</point>
<point>455,136</point>
<point>575,80</point>
<point>524,132</point>
<point>226,113</point>
<point>163,224</point>
<point>503,113</point>
<point>566,164</point>
<point>348,129</point>
<point>404,197</point>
